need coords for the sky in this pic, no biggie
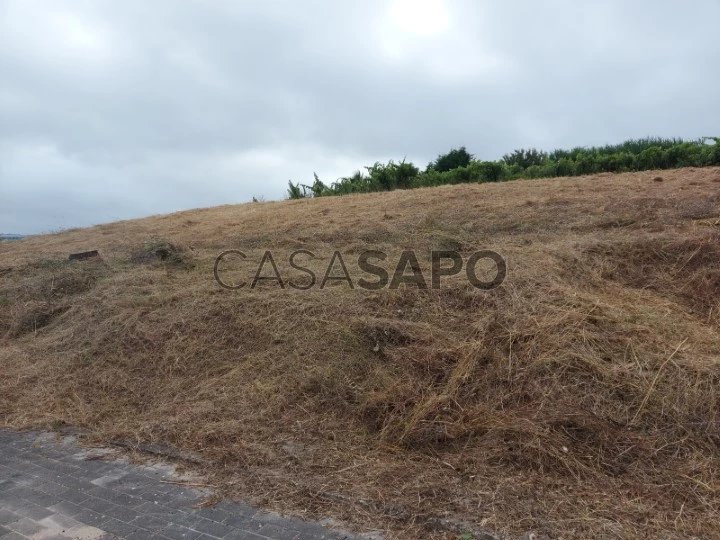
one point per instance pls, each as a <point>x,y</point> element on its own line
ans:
<point>113,110</point>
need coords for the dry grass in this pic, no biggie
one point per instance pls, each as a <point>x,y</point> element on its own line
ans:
<point>578,400</point>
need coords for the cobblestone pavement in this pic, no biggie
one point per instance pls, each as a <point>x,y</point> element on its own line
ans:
<point>51,489</point>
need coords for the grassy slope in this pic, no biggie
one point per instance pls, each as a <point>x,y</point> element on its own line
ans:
<point>580,399</point>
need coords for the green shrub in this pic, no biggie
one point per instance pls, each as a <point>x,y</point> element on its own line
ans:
<point>454,159</point>
<point>650,158</point>
<point>490,171</point>
<point>295,191</point>
<point>525,158</point>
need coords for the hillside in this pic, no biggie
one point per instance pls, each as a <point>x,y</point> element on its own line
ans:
<point>579,399</point>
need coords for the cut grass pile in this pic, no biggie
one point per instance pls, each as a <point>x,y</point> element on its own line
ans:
<point>579,400</point>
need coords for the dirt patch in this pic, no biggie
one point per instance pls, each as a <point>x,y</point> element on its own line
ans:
<point>161,251</point>
<point>34,319</point>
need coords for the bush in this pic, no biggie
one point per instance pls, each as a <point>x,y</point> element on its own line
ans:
<point>295,191</point>
<point>650,158</point>
<point>454,159</point>
<point>565,167</point>
<point>585,164</point>
<point>393,175</point>
<point>525,158</point>
<point>711,154</point>
<point>490,171</point>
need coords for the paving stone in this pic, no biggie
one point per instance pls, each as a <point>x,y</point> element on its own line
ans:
<point>65,508</point>
<point>215,514</point>
<point>160,510</point>
<point>59,468</point>
<point>6,484</point>
<point>13,536</point>
<point>141,535</point>
<point>6,516</point>
<point>75,484</point>
<point>43,499</point>
<point>244,535</point>
<point>34,511</point>
<point>180,532</point>
<point>49,535</point>
<point>152,523</point>
<point>185,520</point>
<point>119,528</point>
<point>155,496</point>
<point>107,479</point>
<point>10,502</point>
<point>113,496</point>
<point>90,517</point>
<point>98,505</point>
<point>49,488</point>
<point>93,467</point>
<point>52,488</point>
<point>11,475</point>
<point>21,492</point>
<point>278,533</point>
<point>26,526</point>
<point>239,521</point>
<point>183,502</point>
<point>59,522</point>
<point>273,518</point>
<point>130,485</point>
<point>213,528</point>
<point>122,513</point>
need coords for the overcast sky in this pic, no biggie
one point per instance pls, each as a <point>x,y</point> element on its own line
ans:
<point>116,109</point>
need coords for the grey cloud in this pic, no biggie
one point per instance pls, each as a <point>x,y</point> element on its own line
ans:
<point>113,110</point>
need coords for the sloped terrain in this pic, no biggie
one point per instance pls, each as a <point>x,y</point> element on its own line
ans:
<point>579,399</point>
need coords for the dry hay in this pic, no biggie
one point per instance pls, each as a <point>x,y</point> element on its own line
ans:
<point>578,400</point>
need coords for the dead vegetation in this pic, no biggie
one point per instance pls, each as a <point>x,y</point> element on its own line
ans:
<point>578,400</point>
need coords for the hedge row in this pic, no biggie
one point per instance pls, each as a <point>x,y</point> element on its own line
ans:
<point>458,166</point>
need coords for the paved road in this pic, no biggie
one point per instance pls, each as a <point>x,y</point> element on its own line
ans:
<point>51,489</point>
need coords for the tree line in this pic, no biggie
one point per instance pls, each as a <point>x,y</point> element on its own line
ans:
<point>458,166</point>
